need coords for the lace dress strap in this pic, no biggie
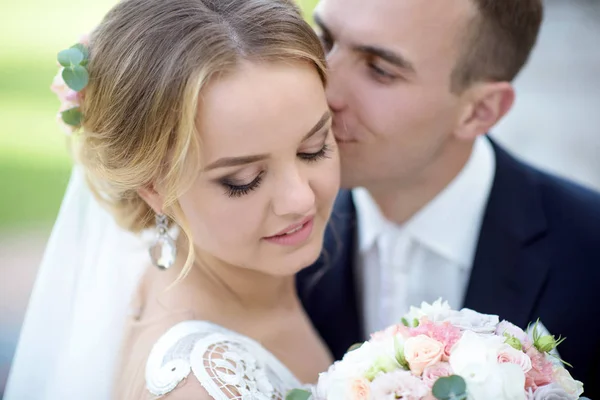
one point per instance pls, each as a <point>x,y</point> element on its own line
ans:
<point>227,365</point>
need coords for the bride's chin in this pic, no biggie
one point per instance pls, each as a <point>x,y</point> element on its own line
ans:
<point>304,259</point>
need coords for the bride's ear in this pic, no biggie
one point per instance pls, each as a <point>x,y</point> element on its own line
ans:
<point>152,198</point>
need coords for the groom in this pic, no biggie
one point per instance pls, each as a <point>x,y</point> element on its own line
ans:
<point>438,208</point>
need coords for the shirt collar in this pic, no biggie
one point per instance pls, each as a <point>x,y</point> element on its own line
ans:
<point>449,224</point>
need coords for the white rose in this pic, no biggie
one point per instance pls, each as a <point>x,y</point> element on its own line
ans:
<point>474,349</point>
<point>469,320</point>
<point>333,384</point>
<point>494,382</point>
<point>372,350</point>
<point>350,389</point>
<point>475,358</point>
<point>552,391</point>
<point>513,330</point>
<point>565,380</point>
<point>436,312</point>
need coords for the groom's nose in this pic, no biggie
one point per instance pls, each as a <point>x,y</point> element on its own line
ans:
<point>335,83</point>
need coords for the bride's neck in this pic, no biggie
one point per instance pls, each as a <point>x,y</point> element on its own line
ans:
<point>229,288</point>
<point>249,289</point>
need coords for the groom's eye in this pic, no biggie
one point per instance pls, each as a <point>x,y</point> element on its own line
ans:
<point>379,73</point>
<point>326,42</point>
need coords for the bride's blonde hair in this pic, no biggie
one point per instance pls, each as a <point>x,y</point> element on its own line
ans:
<point>149,60</point>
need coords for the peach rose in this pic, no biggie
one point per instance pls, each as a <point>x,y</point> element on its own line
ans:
<point>566,381</point>
<point>421,352</point>
<point>360,389</point>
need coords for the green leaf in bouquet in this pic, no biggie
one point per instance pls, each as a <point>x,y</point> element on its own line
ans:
<point>452,387</point>
<point>72,116</point>
<point>544,343</point>
<point>298,394</point>
<point>513,342</point>
<point>405,322</point>
<point>76,77</point>
<point>399,350</point>
<point>70,57</point>
<point>382,364</point>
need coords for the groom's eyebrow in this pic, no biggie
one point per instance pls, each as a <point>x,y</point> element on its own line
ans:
<point>390,56</point>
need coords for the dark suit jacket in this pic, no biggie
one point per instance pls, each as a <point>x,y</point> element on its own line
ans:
<point>538,256</point>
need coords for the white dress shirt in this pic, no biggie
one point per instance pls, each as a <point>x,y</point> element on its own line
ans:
<point>429,256</point>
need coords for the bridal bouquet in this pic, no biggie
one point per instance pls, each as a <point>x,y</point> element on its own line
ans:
<point>440,353</point>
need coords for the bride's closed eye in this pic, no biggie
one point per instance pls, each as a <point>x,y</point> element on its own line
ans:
<point>319,155</point>
<point>238,188</point>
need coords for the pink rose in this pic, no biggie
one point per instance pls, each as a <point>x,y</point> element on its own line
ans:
<point>432,373</point>
<point>359,389</point>
<point>421,352</point>
<point>508,354</point>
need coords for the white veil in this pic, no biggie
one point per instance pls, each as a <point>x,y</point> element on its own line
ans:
<point>75,320</point>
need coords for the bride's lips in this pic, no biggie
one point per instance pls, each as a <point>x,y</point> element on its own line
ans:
<point>294,234</point>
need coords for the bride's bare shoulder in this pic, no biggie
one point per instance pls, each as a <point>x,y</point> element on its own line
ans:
<point>138,341</point>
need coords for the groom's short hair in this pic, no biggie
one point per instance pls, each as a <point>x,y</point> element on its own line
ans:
<point>498,41</point>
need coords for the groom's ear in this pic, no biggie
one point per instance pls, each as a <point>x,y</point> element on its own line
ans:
<point>484,105</point>
<point>152,198</point>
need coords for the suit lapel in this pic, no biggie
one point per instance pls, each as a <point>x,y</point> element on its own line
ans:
<point>507,278</point>
<point>327,289</point>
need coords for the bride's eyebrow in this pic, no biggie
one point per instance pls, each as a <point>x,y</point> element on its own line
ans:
<point>242,160</point>
<point>318,126</point>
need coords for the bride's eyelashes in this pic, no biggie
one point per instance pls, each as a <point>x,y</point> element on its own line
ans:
<point>239,190</point>
<point>319,155</point>
<point>235,189</point>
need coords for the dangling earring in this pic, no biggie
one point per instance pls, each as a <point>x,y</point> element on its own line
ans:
<point>163,251</point>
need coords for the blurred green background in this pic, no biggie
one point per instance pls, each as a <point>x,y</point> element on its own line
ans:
<point>34,161</point>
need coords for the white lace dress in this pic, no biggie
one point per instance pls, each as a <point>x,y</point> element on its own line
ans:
<point>227,364</point>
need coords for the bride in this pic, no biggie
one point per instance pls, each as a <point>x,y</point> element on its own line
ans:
<point>205,122</point>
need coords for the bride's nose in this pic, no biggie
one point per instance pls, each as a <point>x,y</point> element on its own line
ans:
<point>293,195</point>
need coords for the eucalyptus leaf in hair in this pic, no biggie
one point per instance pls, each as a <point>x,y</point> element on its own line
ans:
<point>74,60</point>
<point>70,57</point>
<point>76,77</point>
<point>81,47</point>
<point>72,116</point>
